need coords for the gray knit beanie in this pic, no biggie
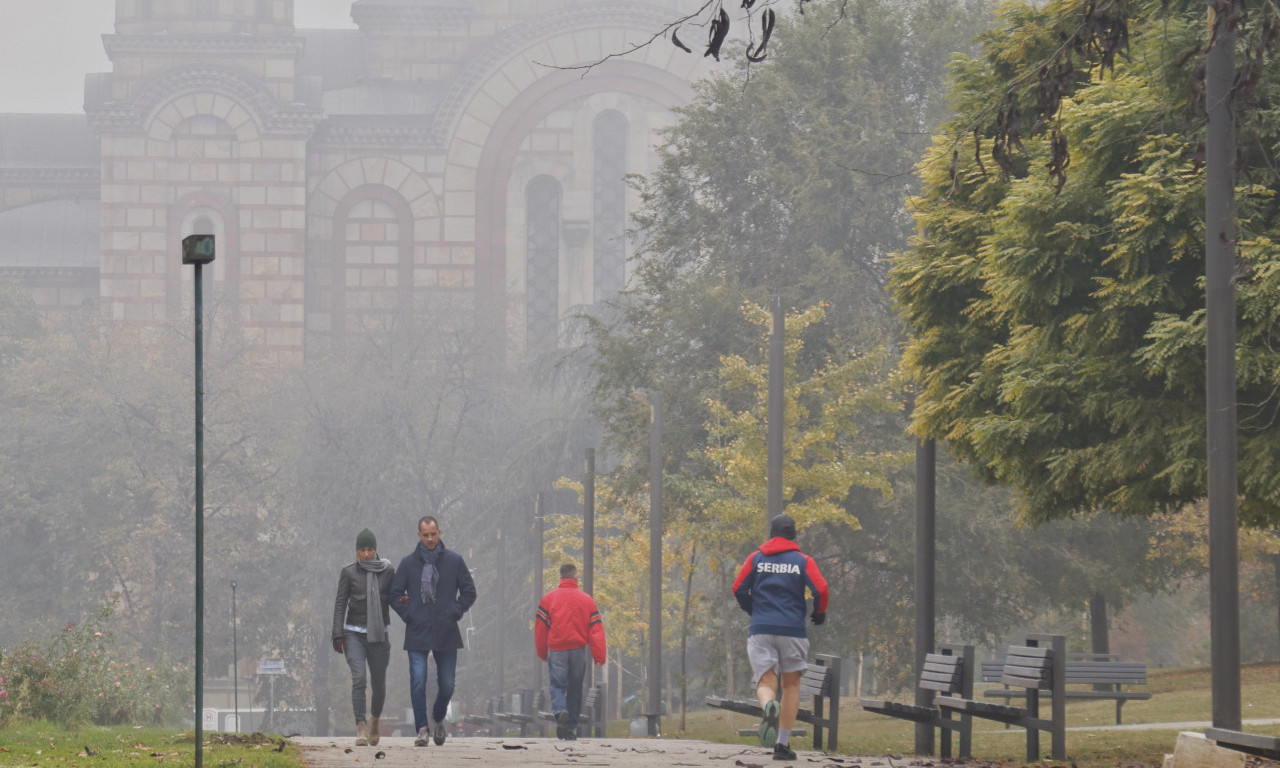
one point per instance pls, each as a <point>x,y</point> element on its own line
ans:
<point>366,538</point>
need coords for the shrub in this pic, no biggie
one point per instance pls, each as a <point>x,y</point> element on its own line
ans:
<point>76,677</point>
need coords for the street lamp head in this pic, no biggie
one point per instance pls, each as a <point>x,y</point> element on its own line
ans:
<point>197,249</point>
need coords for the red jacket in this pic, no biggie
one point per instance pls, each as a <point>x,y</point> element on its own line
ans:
<point>568,619</point>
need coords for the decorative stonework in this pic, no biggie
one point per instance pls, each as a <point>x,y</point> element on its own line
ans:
<point>272,115</point>
<point>387,134</point>
<point>433,13</point>
<point>118,45</point>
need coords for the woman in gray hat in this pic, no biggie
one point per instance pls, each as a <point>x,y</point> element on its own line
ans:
<point>360,621</point>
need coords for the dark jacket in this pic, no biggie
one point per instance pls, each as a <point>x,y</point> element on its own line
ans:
<point>771,584</point>
<point>433,626</point>
<point>350,606</point>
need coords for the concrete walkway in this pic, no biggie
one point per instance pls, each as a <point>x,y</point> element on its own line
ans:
<point>516,752</point>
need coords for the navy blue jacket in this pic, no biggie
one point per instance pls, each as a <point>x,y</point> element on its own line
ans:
<point>771,584</point>
<point>433,626</point>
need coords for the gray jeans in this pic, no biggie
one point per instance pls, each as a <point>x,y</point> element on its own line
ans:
<point>360,651</point>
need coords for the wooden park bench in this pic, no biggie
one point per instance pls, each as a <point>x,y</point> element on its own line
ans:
<point>591,720</point>
<point>486,720</point>
<point>949,672</point>
<point>524,712</point>
<point>1105,673</point>
<point>1035,668</point>
<point>821,681</point>
<point>1251,743</point>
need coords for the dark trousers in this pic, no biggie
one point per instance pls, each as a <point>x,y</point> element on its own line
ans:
<point>360,652</point>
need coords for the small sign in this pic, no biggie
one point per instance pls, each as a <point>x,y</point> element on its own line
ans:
<point>271,667</point>
<point>209,718</point>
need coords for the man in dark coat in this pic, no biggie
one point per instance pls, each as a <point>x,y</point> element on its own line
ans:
<point>431,591</point>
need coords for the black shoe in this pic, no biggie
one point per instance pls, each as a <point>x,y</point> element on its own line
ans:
<point>562,725</point>
<point>783,752</point>
<point>438,735</point>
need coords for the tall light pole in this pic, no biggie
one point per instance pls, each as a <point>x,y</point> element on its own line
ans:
<point>655,566</point>
<point>198,250</point>
<point>777,410</point>
<point>1220,370</point>
<point>235,659</point>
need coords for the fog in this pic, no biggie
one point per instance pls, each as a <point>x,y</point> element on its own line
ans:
<point>417,308</point>
<point>47,47</point>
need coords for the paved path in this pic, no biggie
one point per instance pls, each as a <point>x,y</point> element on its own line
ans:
<point>516,752</point>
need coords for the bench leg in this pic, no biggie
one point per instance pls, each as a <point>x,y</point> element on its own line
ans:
<point>1119,704</point>
<point>817,723</point>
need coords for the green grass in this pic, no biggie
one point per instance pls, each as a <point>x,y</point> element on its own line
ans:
<point>1181,695</point>
<point>41,744</point>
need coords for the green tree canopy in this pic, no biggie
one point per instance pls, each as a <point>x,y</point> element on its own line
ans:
<point>1059,337</point>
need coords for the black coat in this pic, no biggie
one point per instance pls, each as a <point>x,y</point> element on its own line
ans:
<point>433,626</point>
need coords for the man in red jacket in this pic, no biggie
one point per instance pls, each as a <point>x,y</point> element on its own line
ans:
<point>568,622</point>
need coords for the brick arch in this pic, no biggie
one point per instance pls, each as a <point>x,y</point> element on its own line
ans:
<point>495,161</point>
<point>386,172</point>
<point>596,34</point>
<point>168,98</point>
<point>227,248</point>
<point>333,253</point>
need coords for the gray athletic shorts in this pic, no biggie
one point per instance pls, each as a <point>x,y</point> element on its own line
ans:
<point>766,652</point>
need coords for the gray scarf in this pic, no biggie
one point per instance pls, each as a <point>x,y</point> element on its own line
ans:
<point>430,575</point>
<point>373,597</point>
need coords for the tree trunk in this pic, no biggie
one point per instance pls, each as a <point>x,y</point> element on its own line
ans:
<point>1275,563</point>
<point>1101,642</point>
<point>1098,623</point>
<point>684,639</point>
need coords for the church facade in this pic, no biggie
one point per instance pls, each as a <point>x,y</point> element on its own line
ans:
<point>447,159</point>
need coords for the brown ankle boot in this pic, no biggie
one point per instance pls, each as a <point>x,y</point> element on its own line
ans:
<point>375,733</point>
<point>362,734</point>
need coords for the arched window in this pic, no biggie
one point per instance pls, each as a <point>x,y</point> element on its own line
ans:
<point>542,270</point>
<point>610,215</point>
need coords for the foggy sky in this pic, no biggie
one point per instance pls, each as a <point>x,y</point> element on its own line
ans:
<point>48,46</point>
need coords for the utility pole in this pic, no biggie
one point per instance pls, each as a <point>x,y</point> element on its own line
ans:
<point>1220,371</point>
<point>777,411</point>
<point>926,543</point>
<point>198,250</point>
<point>655,566</point>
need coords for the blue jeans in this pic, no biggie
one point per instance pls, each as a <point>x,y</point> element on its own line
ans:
<point>567,671</point>
<point>446,668</point>
<point>360,651</point>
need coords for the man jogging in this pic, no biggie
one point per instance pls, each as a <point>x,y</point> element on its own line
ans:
<point>567,624</point>
<point>771,587</point>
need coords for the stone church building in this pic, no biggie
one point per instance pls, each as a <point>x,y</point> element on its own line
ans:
<point>448,158</point>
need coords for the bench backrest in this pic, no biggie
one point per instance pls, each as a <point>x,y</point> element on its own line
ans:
<point>1028,667</point>
<point>949,671</point>
<point>1083,672</point>
<point>822,678</point>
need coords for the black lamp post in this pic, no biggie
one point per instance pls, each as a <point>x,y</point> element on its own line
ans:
<point>235,660</point>
<point>198,250</point>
